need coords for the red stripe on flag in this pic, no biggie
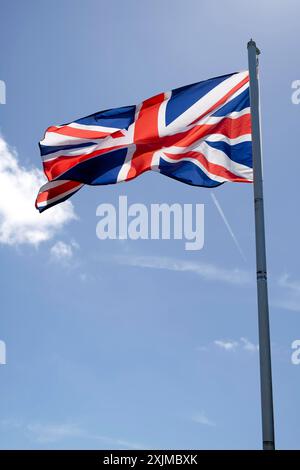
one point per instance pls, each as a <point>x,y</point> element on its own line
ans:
<point>146,125</point>
<point>141,162</point>
<point>146,136</point>
<point>56,191</point>
<point>231,128</point>
<point>69,131</point>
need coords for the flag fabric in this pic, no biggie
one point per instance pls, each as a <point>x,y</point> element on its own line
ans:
<point>198,134</point>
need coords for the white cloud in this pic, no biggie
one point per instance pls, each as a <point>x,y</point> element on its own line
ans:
<point>284,281</point>
<point>46,433</point>
<point>248,345</point>
<point>227,345</point>
<point>118,442</point>
<point>11,423</point>
<point>288,304</point>
<point>201,418</point>
<point>292,299</point>
<point>20,222</point>
<point>63,252</point>
<point>86,277</point>
<point>234,345</point>
<point>208,272</point>
<point>53,432</point>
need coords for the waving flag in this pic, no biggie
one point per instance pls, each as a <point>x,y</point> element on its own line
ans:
<point>199,134</point>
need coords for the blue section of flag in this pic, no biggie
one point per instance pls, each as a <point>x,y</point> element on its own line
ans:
<point>184,97</point>
<point>186,172</point>
<point>239,153</point>
<point>103,169</point>
<point>236,104</point>
<point>120,118</point>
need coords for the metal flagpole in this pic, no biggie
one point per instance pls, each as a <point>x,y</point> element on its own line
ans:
<point>261,266</point>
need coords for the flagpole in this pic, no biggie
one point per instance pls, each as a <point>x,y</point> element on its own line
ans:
<point>261,265</point>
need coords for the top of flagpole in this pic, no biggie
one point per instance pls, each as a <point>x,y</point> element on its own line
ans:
<point>252,43</point>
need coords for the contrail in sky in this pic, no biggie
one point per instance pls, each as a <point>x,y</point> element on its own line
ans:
<point>220,210</point>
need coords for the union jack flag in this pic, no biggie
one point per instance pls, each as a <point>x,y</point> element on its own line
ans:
<point>199,134</point>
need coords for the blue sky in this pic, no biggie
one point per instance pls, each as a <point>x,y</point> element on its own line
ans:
<point>128,344</point>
